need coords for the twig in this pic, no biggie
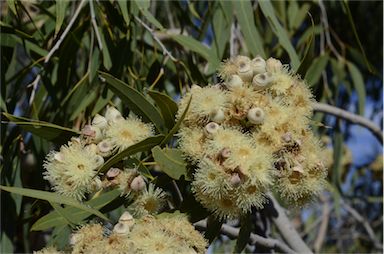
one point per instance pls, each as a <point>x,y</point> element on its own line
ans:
<point>355,214</point>
<point>233,232</point>
<point>35,82</point>
<point>356,119</point>
<point>178,192</point>
<point>152,32</point>
<point>323,226</point>
<point>324,19</point>
<point>94,24</point>
<point>287,230</point>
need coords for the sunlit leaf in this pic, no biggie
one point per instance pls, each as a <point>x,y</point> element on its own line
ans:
<point>170,161</point>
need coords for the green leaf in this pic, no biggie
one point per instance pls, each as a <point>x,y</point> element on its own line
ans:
<point>106,55</point>
<point>61,7</point>
<point>222,28</point>
<point>53,197</point>
<point>42,129</point>
<point>135,101</point>
<point>10,40</point>
<point>280,32</point>
<point>143,7</point>
<point>317,67</point>
<point>213,228</point>
<point>244,14</point>
<point>5,243</point>
<point>177,125</point>
<point>244,233</point>
<point>170,162</point>
<point>359,85</point>
<point>144,145</point>
<point>196,46</point>
<point>53,219</point>
<point>124,10</point>
<point>337,155</point>
<point>167,107</point>
<point>12,6</point>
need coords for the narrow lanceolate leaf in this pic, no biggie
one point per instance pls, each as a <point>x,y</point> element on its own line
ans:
<point>143,7</point>
<point>135,101</point>
<point>196,46</point>
<point>42,129</point>
<point>12,6</point>
<point>213,228</point>
<point>144,145</point>
<point>124,10</point>
<point>244,233</point>
<point>244,14</point>
<point>170,162</point>
<point>168,107</point>
<point>53,219</point>
<point>280,32</point>
<point>177,125</point>
<point>52,197</point>
<point>317,67</point>
<point>61,7</point>
<point>221,27</point>
<point>358,83</point>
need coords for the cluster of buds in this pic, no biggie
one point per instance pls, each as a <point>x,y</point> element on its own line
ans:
<point>250,133</point>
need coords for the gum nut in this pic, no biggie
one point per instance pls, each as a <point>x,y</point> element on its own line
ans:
<point>104,146</point>
<point>262,80</point>
<point>99,160</point>
<point>126,216</point>
<point>258,65</point>
<point>298,168</point>
<point>287,137</point>
<point>121,228</point>
<point>273,65</point>
<point>98,134</point>
<point>99,121</point>
<point>234,81</point>
<point>75,140</point>
<point>92,148</point>
<point>88,130</point>
<point>97,184</point>
<point>245,71</point>
<point>211,128</point>
<point>73,239</point>
<point>137,183</point>
<point>256,115</point>
<point>235,180</point>
<point>225,153</point>
<point>217,116</point>
<point>58,157</point>
<point>113,172</point>
<point>112,114</point>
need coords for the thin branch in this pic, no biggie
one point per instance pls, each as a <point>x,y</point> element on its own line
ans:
<point>152,32</point>
<point>94,24</point>
<point>178,192</point>
<point>356,119</point>
<point>323,226</point>
<point>233,232</point>
<point>287,230</point>
<point>35,82</point>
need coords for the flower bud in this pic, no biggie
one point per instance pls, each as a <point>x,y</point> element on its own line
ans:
<point>137,183</point>
<point>256,115</point>
<point>96,184</point>
<point>286,137</point>
<point>58,157</point>
<point>92,148</point>
<point>298,168</point>
<point>104,148</point>
<point>273,65</point>
<point>235,180</point>
<point>99,121</point>
<point>195,87</point>
<point>75,140</point>
<point>126,216</point>
<point>263,80</point>
<point>258,65</point>
<point>244,68</point>
<point>217,116</point>
<point>88,131</point>
<point>113,172</point>
<point>121,228</point>
<point>99,161</point>
<point>234,81</point>
<point>112,114</point>
<point>225,153</point>
<point>211,128</point>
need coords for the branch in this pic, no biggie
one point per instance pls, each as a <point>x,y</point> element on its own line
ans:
<point>94,24</point>
<point>287,230</point>
<point>324,225</point>
<point>233,232</point>
<point>356,119</point>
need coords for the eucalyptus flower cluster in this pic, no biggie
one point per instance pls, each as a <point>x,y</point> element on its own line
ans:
<point>73,170</point>
<point>149,234</point>
<point>250,134</point>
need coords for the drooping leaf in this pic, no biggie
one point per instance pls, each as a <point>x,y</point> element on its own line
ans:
<point>280,32</point>
<point>358,83</point>
<point>12,6</point>
<point>252,37</point>
<point>53,219</point>
<point>314,71</point>
<point>221,27</point>
<point>167,107</point>
<point>48,131</point>
<point>124,10</point>
<point>213,228</point>
<point>170,162</point>
<point>244,233</point>
<point>52,197</point>
<point>143,7</point>
<point>61,7</point>
<point>135,101</point>
<point>144,145</point>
